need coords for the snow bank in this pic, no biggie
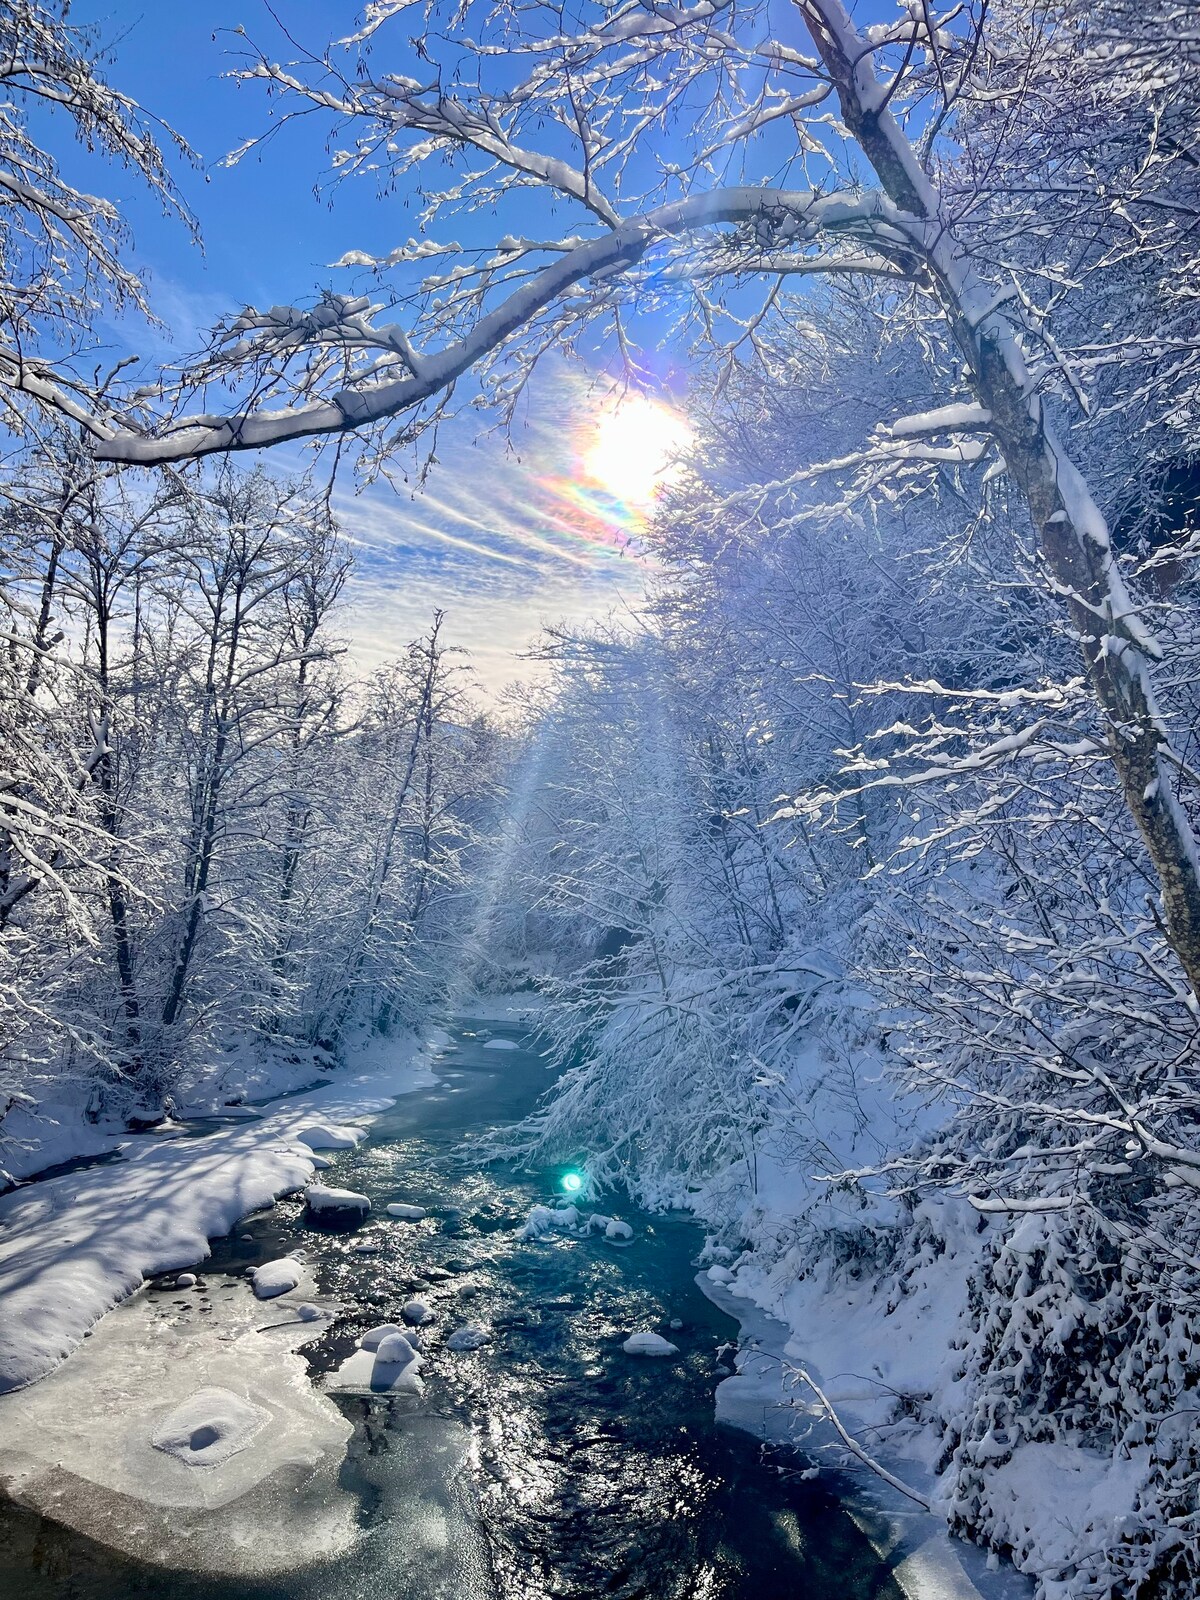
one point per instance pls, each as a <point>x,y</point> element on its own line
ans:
<point>765,1398</point>
<point>74,1246</point>
<point>1050,1501</point>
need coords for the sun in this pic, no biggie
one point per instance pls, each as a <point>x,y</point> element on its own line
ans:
<point>632,452</point>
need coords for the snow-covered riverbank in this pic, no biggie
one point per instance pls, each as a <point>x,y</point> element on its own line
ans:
<point>767,1398</point>
<point>74,1246</point>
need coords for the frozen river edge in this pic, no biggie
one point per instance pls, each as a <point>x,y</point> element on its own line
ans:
<point>763,1398</point>
<point>74,1252</point>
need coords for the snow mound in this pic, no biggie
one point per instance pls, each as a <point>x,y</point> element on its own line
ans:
<point>363,1373</point>
<point>469,1338</point>
<point>407,1213</point>
<point>394,1350</point>
<point>610,1227</point>
<point>501,1044</point>
<point>276,1277</point>
<point>326,1136</point>
<point>416,1313</point>
<point>209,1428</point>
<point>373,1337</point>
<point>719,1274</point>
<point>186,1280</point>
<point>335,1202</point>
<point>543,1219</point>
<point>649,1344</point>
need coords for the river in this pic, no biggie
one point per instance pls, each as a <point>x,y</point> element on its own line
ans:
<point>547,1463</point>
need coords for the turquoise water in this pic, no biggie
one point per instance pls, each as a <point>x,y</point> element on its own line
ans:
<point>549,1463</point>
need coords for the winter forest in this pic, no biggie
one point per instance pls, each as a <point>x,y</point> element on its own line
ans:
<point>847,880</point>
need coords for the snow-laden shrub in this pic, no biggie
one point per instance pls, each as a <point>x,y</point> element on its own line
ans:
<point>1072,1345</point>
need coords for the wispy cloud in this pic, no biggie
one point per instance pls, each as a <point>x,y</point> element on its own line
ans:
<point>505,536</point>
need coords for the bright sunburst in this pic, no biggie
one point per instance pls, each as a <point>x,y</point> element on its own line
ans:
<point>635,443</point>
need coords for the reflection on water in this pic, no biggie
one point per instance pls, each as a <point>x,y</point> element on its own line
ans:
<point>548,1463</point>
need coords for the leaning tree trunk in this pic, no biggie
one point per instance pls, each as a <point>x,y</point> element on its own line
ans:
<point>1117,648</point>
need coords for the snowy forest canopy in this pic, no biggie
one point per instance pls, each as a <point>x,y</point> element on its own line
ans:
<point>861,869</point>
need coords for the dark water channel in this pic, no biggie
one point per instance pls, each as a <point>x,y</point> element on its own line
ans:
<point>548,1463</point>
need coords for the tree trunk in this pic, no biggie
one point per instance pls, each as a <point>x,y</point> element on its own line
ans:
<point>1117,648</point>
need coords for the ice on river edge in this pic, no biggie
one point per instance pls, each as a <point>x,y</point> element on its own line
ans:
<point>73,1247</point>
<point>208,1428</point>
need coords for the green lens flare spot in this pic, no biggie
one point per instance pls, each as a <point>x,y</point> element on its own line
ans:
<point>572,1182</point>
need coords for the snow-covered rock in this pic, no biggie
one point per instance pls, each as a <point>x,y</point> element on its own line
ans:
<point>326,1202</point>
<point>366,1373</point>
<point>649,1344</point>
<point>276,1277</point>
<point>209,1428</point>
<point>186,1280</point>
<point>373,1337</point>
<point>719,1274</point>
<point>325,1136</point>
<point>610,1227</point>
<point>394,1350</point>
<point>543,1219</point>
<point>407,1213</point>
<point>501,1044</point>
<point>416,1313</point>
<point>470,1337</point>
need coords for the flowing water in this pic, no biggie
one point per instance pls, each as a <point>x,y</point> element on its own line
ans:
<point>548,1463</point>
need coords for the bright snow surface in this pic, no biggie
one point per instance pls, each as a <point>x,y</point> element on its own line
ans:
<point>73,1247</point>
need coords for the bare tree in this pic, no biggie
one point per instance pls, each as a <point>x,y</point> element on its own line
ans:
<point>613,93</point>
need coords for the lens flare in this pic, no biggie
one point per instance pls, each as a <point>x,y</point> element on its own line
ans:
<point>572,1182</point>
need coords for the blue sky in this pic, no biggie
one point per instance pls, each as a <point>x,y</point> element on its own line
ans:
<point>491,538</point>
